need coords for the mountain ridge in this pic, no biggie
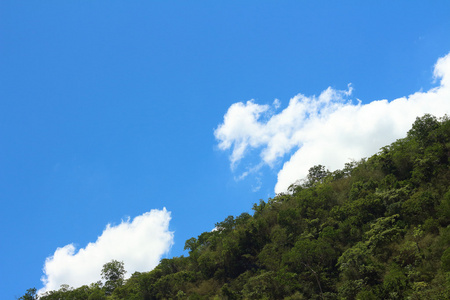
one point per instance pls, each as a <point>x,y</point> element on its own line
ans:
<point>377,229</point>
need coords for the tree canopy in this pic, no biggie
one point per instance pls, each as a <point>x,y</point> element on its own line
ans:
<point>378,229</point>
<point>113,273</point>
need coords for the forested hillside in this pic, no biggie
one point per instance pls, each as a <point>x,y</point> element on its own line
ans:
<point>377,229</point>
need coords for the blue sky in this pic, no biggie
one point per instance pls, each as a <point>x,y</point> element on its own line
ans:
<point>112,109</point>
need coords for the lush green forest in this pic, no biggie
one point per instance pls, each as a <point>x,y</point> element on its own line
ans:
<point>377,229</point>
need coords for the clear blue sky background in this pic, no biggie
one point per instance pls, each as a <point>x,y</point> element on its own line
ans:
<point>108,108</point>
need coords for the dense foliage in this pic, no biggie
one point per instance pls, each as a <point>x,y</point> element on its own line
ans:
<point>378,229</point>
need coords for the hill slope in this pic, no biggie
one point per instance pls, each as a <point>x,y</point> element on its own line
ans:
<point>378,229</point>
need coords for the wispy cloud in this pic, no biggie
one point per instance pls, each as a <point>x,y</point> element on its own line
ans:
<point>328,129</point>
<point>140,244</point>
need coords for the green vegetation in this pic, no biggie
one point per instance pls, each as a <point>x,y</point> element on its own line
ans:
<point>378,229</point>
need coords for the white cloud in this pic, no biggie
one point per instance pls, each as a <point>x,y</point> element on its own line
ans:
<point>139,244</point>
<point>329,129</point>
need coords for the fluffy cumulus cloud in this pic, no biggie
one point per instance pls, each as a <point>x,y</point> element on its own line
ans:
<point>139,243</point>
<point>329,129</point>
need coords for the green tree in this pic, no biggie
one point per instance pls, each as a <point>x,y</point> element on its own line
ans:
<point>445,259</point>
<point>316,175</point>
<point>311,257</point>
<point>422,128</point>
<point>113,273</point>
<point>29,295</point>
